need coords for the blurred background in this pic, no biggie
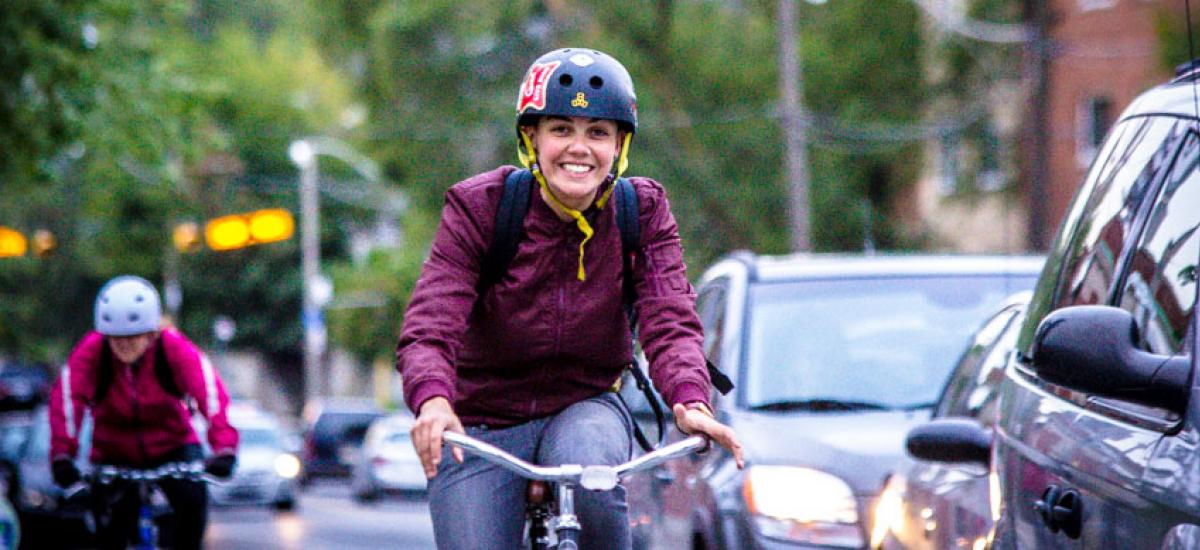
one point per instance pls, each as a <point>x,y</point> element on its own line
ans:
<point>130,129</point>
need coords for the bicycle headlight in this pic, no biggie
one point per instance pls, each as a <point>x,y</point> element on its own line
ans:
<point>802,505</point>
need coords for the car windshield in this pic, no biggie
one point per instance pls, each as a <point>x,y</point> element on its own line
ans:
<point>258,437</point>
<point>863,344</point>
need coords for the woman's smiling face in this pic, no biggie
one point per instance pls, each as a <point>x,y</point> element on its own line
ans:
<point>575,154</point>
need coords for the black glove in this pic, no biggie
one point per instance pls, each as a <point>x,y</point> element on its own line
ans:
<point>65,472</point>
<point>220,466</point>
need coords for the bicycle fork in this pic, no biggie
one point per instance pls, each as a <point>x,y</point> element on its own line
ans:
<point>567,524</point>
<point>147,531</point>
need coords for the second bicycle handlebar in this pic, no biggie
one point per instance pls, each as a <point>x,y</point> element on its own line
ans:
<point>595,478</point>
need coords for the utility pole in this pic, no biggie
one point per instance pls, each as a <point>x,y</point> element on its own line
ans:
<point>1037,63</point>
<point>791,87</point>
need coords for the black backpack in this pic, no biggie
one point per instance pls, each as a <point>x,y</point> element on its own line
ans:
<point>510,222</point>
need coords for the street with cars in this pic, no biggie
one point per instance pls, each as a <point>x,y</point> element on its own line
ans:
<point>883,401</point>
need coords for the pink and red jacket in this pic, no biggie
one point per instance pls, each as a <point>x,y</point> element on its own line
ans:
<point>137,421</point>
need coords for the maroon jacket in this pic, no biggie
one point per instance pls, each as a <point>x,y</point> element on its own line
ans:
<point>540,339</point>
<point>137,422</point>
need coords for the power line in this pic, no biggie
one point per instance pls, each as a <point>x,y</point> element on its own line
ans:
<point>956,22</point>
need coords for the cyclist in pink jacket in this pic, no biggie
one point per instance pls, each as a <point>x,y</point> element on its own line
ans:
<point>140,383</point>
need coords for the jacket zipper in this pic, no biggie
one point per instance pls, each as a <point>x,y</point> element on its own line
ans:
<point>137,413</point>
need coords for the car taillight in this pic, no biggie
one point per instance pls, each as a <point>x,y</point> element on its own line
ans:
<point>379,461</point>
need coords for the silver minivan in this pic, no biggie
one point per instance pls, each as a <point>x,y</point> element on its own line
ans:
<point>1098,440</point>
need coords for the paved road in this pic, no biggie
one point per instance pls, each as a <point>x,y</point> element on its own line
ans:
<point>325,518</point>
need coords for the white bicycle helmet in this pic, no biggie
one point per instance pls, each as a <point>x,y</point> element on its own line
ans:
<point>127,306</point>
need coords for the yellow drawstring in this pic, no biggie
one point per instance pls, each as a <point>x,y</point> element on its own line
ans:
<point>528,157</point>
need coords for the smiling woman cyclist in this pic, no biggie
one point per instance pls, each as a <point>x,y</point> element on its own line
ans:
<point>525,359</point>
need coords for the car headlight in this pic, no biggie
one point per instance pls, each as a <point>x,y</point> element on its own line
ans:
<point>802,505</point>
<point>889,511</point>
<point>287,466</point>
<point>994,497</point>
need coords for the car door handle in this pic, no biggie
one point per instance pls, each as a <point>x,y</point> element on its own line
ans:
<point>1061,510</point>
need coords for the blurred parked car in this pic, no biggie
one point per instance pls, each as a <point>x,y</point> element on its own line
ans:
<point>388,463</point>
<point>23,385</point>
<point>266,471</point>
<point>333,439</point>
<point>1098,439</point>
<point>15,429</point>
<point>834,358</point>
<point>45,522</point>
<point>942,499</point>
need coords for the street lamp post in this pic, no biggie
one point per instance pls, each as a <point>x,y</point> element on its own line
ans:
<point>304,156</point>
<point>317,290</point>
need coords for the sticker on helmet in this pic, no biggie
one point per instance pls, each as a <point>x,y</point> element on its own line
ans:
<point>580,101</point>
<point>533,90</point>
<point>582,59</point>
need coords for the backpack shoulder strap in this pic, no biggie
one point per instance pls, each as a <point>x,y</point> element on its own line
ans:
<point>627,222</point>
<point>163,371</point>
<point>104,373</point>
<point>627,216</point>
<point>510,221</point>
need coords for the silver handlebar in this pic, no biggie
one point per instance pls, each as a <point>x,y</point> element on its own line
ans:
<point>105,474</point>
<point>595,478</point>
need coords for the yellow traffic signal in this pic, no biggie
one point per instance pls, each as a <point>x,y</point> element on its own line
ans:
<point>240,230</point>
<point>12,243</point>
<point>44,243</point>
<point>186,237</point>
<point>268,226</point>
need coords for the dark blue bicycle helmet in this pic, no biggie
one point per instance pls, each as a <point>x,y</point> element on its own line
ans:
<point>577,82</point>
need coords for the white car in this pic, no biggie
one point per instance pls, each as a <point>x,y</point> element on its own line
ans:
<point>266,470</point>
<point>388,463</point>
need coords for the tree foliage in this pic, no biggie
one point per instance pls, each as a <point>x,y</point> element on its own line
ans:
<point>184,109</point>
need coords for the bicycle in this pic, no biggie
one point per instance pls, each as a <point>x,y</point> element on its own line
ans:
<point>152,501</point>
<point>539,513</point>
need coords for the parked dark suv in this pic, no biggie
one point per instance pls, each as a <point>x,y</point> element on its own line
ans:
<point>333,440</point>
<point>1098,439</point>
<point>835,357</point>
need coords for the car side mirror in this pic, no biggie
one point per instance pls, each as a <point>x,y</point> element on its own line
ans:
<point>950,440</point>
<point>1093,349</point>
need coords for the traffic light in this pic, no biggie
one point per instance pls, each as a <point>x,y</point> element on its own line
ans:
<point>12,243</point>
<point>241,230</point>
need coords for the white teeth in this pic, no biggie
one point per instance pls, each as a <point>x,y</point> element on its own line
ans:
<point>576,168</point>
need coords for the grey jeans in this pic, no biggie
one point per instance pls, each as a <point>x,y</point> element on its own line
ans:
<point>476,505</point>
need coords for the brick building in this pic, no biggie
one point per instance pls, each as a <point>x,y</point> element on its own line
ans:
<point>1098,56</point>
<point>1103,53</point>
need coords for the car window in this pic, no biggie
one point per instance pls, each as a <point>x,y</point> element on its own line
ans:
<point>259,437</point>
<point>965,376</point>
<point>342,427</point>
<point>397,438</point>
<point>1160,285</point>
<point>886,342</point>
<point>1139,156</point>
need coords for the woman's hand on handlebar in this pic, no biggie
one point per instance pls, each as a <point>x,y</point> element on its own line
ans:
<point>691,421</point>
<point>436,416</point>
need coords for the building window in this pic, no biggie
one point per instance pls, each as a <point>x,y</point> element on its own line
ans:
<point>947,180</point>
<point>1093,118</point>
